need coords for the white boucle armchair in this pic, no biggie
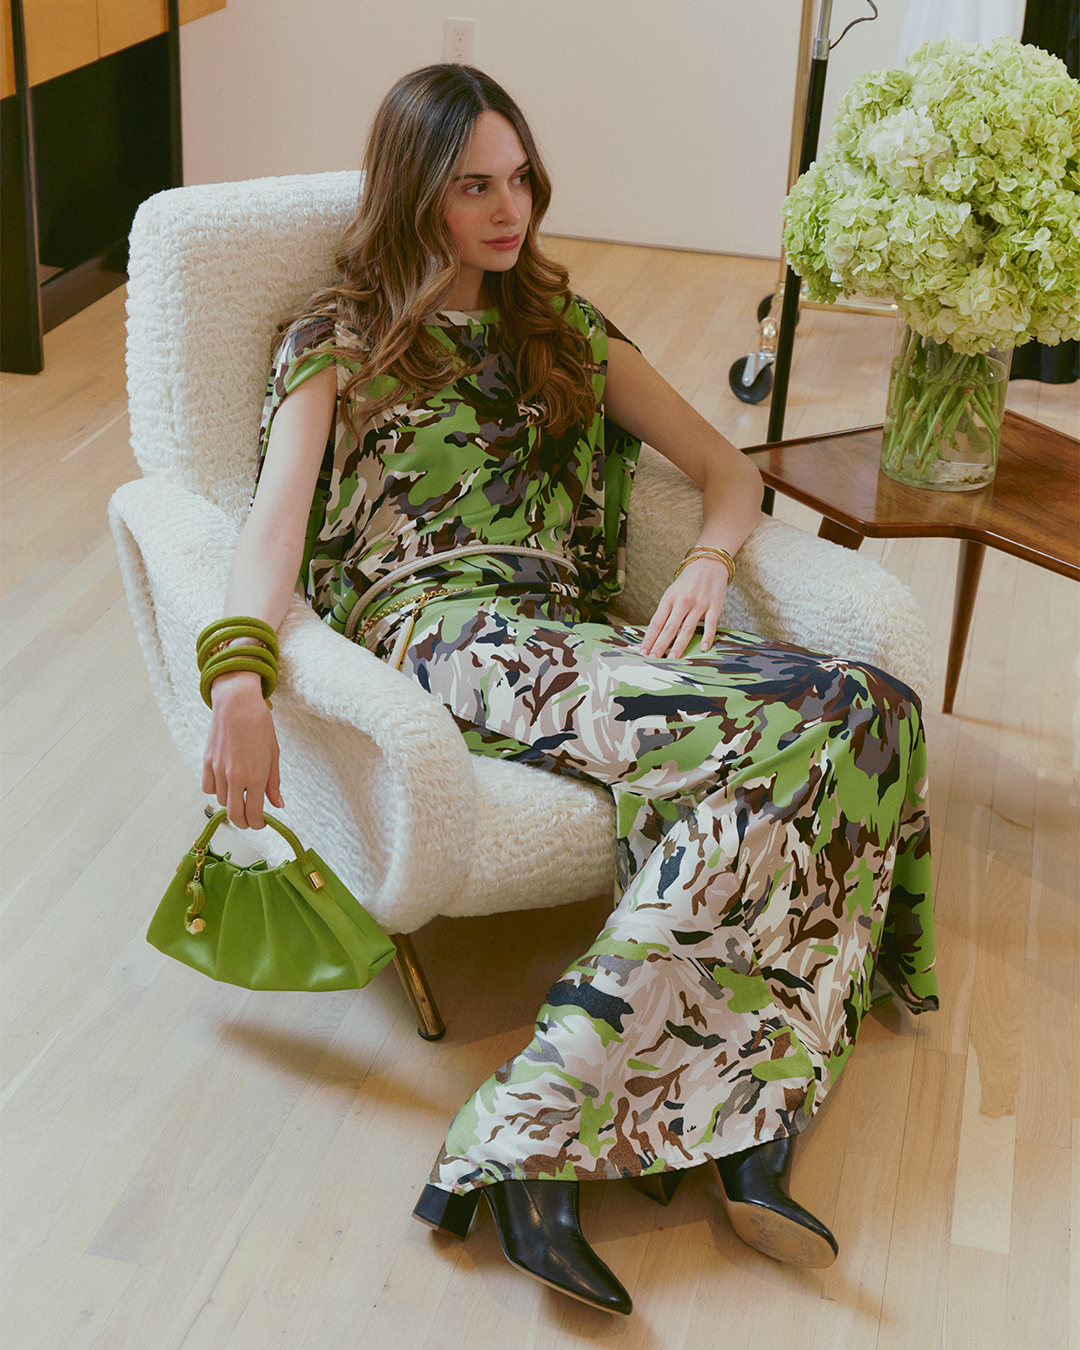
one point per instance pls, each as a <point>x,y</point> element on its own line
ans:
<point>376,775</point>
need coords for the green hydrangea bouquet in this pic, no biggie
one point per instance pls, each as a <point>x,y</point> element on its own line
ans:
<point>952,185</point>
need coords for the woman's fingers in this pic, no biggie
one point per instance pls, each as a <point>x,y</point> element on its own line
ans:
<point>251,803</point>
<point>241,762</point>
<point>264,785</point>
<point>682,634</point>
<point>273,784</point>
<point>656,626</point>
<point>242,796</point>
<point>674,634</point>
<point>709,627</point>
<point>664,629</point>
<point>246,783</point>
<point>694,601</point>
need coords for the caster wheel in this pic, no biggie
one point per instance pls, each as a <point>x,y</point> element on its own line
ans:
<point>755,392</point>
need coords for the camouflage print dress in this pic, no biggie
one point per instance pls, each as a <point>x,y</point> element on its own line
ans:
<point>773,838</point>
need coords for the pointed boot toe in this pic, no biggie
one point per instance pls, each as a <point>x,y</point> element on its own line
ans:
<point>764,1215</point>
<point>539,1226</point>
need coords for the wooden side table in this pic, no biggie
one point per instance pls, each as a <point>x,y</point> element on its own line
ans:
<point>1031,509</point>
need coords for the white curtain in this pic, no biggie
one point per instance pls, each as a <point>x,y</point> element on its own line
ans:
<point>966,20</point>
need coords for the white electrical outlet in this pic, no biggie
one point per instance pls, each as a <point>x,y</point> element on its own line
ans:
<point>459,41</point>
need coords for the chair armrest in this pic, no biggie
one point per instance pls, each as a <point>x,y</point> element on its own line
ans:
<point>375,773</point>
<point>796,588</point>
<point>789,586</point>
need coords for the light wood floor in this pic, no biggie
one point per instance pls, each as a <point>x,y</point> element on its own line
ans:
<point>188,1165</point>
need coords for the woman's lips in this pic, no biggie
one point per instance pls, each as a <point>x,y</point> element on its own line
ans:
<point>505,243</point>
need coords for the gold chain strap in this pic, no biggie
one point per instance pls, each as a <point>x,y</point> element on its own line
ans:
<point>416,602</point>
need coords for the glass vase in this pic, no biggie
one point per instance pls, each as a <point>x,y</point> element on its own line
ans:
<point>943,420</point>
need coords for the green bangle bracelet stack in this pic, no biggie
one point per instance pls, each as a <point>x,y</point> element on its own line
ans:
<point>216,656</point>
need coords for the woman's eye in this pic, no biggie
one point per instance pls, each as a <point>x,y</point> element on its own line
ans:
<point>476,188</point>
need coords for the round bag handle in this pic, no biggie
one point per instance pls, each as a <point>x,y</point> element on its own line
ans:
<point>220,815</point>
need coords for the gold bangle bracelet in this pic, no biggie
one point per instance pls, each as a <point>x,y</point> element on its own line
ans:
<point>713,555</point>
<point>221,646</point>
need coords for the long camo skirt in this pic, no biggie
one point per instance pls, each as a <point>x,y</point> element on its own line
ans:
<point>773,849</point>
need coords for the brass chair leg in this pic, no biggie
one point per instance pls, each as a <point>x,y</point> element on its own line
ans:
<point>432,1027</point>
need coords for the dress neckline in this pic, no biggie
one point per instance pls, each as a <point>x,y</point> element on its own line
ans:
<point>462,317</point>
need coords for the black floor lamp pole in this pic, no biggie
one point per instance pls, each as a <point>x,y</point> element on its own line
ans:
<point>789,313</point>
<point>786,337</point>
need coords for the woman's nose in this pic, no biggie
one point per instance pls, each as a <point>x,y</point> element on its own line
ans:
<point>506,208</point>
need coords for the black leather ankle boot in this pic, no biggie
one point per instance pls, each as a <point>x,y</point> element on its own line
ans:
<point>753,1188</point>
<point>539,1226</point>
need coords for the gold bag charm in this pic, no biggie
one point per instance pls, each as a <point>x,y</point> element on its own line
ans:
<point>198,896</point>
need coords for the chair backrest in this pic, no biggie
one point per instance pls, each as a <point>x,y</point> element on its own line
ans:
<point>213,269</point>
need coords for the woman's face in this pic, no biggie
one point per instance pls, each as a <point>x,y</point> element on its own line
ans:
<point>489,206</point>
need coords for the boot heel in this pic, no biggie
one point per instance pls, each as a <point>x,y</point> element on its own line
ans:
<point>660,1186</point>
<point>449,1213</point>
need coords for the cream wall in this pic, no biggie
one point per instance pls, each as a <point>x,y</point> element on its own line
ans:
<point>665,122</point>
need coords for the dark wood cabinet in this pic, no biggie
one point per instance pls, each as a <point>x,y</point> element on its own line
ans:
<point>89,128</point>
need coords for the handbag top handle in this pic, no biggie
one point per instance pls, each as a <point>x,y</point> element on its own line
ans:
<point>202,843</point>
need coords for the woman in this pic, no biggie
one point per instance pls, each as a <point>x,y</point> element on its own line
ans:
<point>448,447</point>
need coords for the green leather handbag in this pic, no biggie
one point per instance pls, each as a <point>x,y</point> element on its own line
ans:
<point>289,927</point>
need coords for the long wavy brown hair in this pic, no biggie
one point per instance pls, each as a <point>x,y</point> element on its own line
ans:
<point>397,264</point>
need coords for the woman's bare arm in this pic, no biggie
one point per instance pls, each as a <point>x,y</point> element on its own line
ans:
<point>643,402</point>
<point>240,765</point>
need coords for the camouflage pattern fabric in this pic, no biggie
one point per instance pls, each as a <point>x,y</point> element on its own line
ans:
<point>470,466</point>
<point>773,845</point>
<point>773,838</point>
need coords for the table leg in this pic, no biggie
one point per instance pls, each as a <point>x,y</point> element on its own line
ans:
<point>839,534</point>
<point>967,583</point>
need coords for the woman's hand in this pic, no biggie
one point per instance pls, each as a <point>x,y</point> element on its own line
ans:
<point>646,405</point>
<point>692,601</point>
<point>240,765</point>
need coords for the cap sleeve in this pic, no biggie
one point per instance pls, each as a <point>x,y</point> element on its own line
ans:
<point>614,332</point>
<point>310,345</point>
<point>305,349</point>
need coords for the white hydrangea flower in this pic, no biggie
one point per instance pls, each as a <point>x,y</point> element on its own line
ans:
<point>952,185</point>
<point>904,148</point>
